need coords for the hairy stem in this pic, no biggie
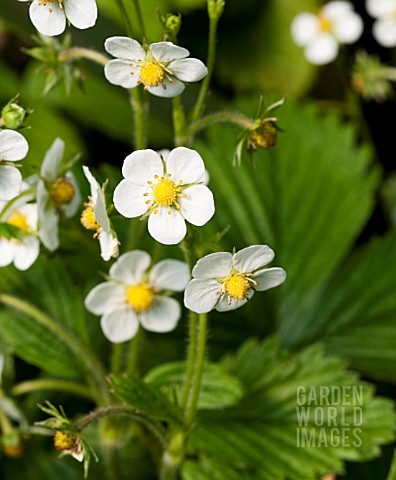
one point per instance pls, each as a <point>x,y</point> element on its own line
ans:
<point>51,384</point>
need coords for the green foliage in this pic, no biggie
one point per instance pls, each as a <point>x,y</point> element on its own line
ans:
<point>145,398</point>
<point>37,345</point>
<point>265,424</point>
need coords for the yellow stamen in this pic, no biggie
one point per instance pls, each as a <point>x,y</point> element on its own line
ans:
<point>62,192</point>
<point>140,296</point>
<point>152,74</point>
<point>324,24</point>
<point>18,220</point>
<point>88,219</point>
<point>237,286</point>
<point>65,441</point>
<point>165,192</point>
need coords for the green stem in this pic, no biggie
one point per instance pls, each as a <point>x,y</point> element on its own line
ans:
<point>190,359</point>
<point>210,62</point>
<point>80,52</point>
<point>90,362</point>
<point>139,16</point>
<point>112,410</point>
<point>134,349</point>
<point>117,358</point>
<point>199,365</point>
<point>139,108</point>
<point>179,122</point>
<point>50,384</point>
<point>125,17</point>
<point>219,117</point>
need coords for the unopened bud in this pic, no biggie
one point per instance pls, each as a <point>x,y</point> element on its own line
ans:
<point>12,445</point>
<point>171,23</point>
<point>13,115</point>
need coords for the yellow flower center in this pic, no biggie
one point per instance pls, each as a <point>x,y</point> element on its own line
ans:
<point>324,24</point>
<point>237,286</point>
<point>65,441</point>
<point>88,219</point>
<point>165,192</point>
<point>152,74</point>
<point>19,220</point>
<point>140,296</point>
<point>62,192</point>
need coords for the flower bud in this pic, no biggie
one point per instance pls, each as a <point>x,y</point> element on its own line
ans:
<point>13,115</point>
<point>171,24</point>
<point>12,445</point>
<point>263,137</point>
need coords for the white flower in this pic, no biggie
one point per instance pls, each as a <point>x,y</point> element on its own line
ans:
<point>163,68</point>
<point>57,193</point>
<point>94,217</point>
<point>50,16</point>
<point>225,282</point>
<point>321,34</point>
<point>169,193</point>
<point>13,147</point>
<point>134,296</point>
<point>24,250</point>
<point>384,27</point>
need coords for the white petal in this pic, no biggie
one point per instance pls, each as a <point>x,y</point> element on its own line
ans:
<point>141,166</point>
<point>47,17</point>
<point>69,209</point>
<point>131,267</point>
<point>384,31</point>
<point>252,258</point>
<point>13,146</point>
<point>336,9</point>
<point>269,278</point>
<point>27,253</point>
<point>120,325</point>
<point>304,28</point>
<point>8,249</point>
<point>204,178</point>
<point>30,211</point>
<point>214,265</point>
<point>167,51</point>
<point>100,211</point>
<point>108,245</point>
<point>226,305</point>
<point>81,14</point>
<point>10,182</point>
<point>162,316</point>
<point>349,28</point>
<point>168,88</point>
<point>166,228</point>
<point>48,231</point>
<point>197,206</point>
<point>122,73</point>
<point>129,200</point>
<point>323,50</point>
<point>188,69</point>
<point>185,164</point>
<point>378,8</point>
<point>125,48</point>
<point>50,169</point>
<point>201,295</point>
<point>170,274</point>
<point>105,297</point>
<point>94,185</point>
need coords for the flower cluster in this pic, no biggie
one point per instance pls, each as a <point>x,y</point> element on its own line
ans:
<point>162,68</point>
<point>135,295</point>
<point>168,192</point>
<point>321,34</point>
<point>337,23</point>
